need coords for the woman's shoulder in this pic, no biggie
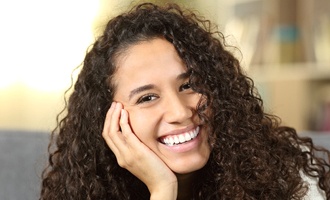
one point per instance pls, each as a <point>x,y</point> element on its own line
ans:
<point>314,192</point>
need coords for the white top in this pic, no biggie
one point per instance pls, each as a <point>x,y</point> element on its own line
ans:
<point>314,192</point>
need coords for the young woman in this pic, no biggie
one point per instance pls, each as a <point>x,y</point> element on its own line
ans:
<point>161,110</point>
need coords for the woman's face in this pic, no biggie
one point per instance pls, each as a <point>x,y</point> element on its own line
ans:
<point>153,86</point>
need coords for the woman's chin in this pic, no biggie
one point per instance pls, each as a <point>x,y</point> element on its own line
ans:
<point>188,167</point>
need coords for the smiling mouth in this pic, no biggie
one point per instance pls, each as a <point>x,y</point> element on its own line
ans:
<point>172,140</point>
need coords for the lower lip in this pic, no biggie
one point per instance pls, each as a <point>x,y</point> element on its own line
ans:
<point>187,146</point>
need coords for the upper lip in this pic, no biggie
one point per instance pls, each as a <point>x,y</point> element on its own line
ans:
<point>179,131</point>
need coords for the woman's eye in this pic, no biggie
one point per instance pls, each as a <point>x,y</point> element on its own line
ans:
<point>146,98</point>
<point>185,86</point>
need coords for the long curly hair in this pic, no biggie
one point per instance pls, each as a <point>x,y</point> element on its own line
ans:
<point>253,156</point>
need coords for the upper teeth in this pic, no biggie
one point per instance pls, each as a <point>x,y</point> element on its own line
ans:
<point>181,138</point>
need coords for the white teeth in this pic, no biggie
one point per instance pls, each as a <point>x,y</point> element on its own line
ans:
<point>171,141</point>
<point>176,140</point>
<point>192,135</point>
<point>187,137</point>
<point>182,138</point>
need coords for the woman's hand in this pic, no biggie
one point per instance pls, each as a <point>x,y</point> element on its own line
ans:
<point>136,157</point>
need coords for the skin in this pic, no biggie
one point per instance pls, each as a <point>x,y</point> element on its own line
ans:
<point>153,99</point>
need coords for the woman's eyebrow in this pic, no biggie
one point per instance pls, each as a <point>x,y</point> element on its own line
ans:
<point>140,89</point>
<point>182,76</point>
<point>143,88</point>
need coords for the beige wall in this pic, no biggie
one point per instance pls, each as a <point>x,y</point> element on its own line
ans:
<point>24,108</point>
<point>41,43</point>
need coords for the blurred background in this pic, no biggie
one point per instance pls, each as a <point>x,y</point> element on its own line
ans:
<point>284,44</point>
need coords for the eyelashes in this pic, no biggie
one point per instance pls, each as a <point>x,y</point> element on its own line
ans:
<point>185,86</point>
<point>149,97</point>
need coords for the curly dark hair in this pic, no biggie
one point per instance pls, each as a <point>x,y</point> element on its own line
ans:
<point>253,156</point>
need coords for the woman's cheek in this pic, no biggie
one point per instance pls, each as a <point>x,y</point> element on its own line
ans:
<point>138,122</point>
<point>145,123</point>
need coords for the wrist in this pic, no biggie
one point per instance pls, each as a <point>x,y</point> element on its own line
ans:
<point>165,192</point>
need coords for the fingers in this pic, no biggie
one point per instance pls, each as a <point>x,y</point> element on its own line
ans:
<point>117,131</point>
<point>111,130</point>
<point>131,153</point>
<point>114,117</point>
<point>122,143</point>
<point>124,125</point>
<point>107,119</point>
<point>130,138</point>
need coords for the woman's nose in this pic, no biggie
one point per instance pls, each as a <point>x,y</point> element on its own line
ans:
<point>178,109</point>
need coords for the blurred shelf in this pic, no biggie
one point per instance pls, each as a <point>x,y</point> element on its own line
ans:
<point>291,72</point>
<point>237,2</point>
<point>285,46</point>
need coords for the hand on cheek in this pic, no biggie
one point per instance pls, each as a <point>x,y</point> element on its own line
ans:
<point>135,156</point>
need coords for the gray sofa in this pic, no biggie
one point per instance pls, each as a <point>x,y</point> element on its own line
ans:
<point>23,155</point>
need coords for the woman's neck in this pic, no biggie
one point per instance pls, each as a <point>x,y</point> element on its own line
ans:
<point>185,183</point>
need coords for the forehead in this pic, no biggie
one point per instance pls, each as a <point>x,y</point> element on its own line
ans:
<point>147,62</point>
<point>153,55</point>
<point>147,49</point>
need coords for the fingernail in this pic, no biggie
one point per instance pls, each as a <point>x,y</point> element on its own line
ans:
<point>118,105</point>
<point>113,104</point>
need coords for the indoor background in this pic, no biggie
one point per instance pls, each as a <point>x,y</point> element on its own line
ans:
<point>284,45</point>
